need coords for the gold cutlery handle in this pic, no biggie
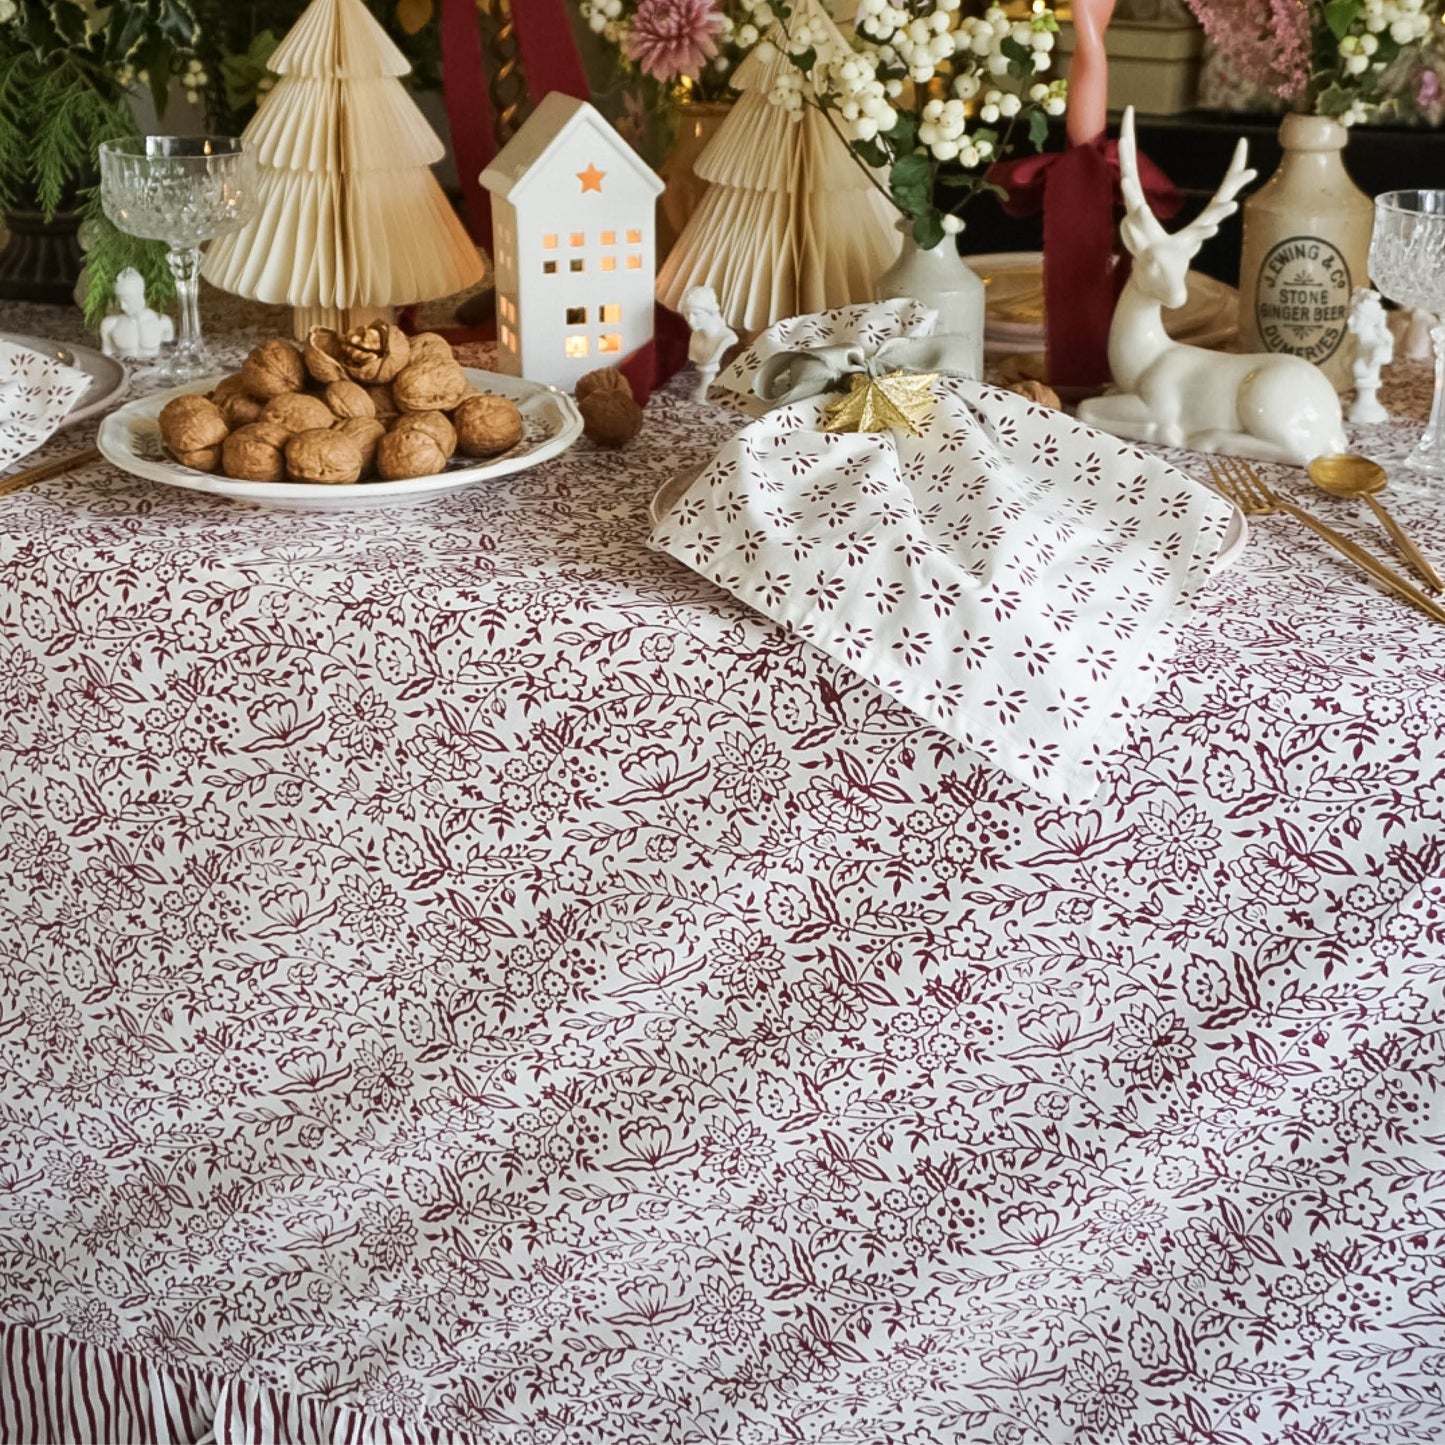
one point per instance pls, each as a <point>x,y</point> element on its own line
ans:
<point>47,470</point>
<point>1382,574</point>
<point>1408,550</point>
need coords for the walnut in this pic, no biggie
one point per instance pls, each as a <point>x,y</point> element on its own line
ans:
<point>610,418</point>
<point>430,385</point>
<point>434,424</point>
<point>487,425</point>
<point>256,453</point>
<point>273,369</point>
<point>1037,392</point>
<point>374,353</point>
<point>607,379</point>
<point>298,412</point>
<point>384,402</point>
<point>409,451</point>
<point>192,424</point>
<point>346,398</point>
<point>429,344</point>
<point>205,459</point>
<point>323,355</point>
<point>240,409</point>
<point>227,387</point>
<point>323,456</point>
<point>366,432</point>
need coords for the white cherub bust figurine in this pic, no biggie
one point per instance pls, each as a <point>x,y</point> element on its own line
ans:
<point>135,333</point>
<point>1374,349</point>
<point>711,335</point>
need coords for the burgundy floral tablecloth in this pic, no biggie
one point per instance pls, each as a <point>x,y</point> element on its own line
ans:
<point>462,969</point>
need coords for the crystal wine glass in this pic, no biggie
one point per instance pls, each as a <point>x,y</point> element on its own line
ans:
<point>1407,263</point>
<point>181,190</point>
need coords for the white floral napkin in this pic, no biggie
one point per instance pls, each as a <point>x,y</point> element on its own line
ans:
<point>37,393</point>
<point>1010,575</point>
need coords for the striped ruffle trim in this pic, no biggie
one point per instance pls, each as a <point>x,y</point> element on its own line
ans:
<point>55,1391</point>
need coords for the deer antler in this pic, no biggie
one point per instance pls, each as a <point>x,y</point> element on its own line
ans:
<point>1136,206</point>
<point>1222,204</point>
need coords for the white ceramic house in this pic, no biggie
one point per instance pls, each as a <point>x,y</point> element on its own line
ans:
<point>573,244</point>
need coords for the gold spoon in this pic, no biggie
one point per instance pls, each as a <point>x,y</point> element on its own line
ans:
<point>1348,475</point>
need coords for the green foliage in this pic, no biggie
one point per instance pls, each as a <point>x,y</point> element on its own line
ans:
<point>65,69</point>
<point>242,74</point>
<point>108,253</point>
<point>1340,15</point>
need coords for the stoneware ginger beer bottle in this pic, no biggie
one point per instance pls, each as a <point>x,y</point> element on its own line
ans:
<point>1306,247</point>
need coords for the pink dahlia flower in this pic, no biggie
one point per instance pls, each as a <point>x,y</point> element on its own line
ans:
<point>672,38</point>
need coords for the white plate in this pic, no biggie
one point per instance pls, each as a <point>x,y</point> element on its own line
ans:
<point>1236,534</point>
<point>130,439</point>
<point>108,378</point>
<point>1014,320</point>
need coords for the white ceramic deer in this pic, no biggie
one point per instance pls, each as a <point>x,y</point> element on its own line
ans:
<point>1272,407</point>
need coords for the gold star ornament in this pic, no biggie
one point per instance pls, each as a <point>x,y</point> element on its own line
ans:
<point>900,401</point>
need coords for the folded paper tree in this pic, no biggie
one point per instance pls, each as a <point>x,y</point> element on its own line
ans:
<point>351,221</point>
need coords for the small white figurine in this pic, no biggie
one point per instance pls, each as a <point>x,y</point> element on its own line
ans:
<point>1374,349</point>
<point>136,333</point>
<point>711,335</point>
<point>1269,406</point>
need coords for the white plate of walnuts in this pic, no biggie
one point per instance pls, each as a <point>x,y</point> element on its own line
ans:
<point>373,418</point>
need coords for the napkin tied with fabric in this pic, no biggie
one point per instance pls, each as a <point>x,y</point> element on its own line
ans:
<point>37,393</point>
<point>1009,575</point>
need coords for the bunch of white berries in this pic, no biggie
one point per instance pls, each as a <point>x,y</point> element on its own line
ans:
<point>193,80</point>
<point>969,54</point>
<point>605,18</point>
<point>1407,22</point>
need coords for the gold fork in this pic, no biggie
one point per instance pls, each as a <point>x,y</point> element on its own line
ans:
<point>1239,481</point>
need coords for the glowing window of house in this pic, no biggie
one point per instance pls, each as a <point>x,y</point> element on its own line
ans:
<point>549,243</point>
<point>608,238</point>
<point>611,342</point>
<point>576,346</point>
<point>549,268</point>
<point>634,263</point>
<point>609,263</point>
<point>509,338</point>
<point>578,238</point>
<point>576,316</point>
<point>609,313</point>
<point>634,238</point>
<point>577,264</point>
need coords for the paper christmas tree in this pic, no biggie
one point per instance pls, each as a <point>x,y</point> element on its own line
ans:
<point>790,223</point>
<point>350,221</point>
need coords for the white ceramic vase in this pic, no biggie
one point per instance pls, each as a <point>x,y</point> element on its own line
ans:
<point>939,279</point>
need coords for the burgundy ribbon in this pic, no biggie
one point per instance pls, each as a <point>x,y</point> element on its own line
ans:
<point>550,61</point>
<point>1085,266</point>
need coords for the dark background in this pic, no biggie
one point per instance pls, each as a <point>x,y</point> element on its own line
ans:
<point>1194,150</point>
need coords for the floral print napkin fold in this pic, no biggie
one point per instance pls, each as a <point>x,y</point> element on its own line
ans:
<point>37,393</point>
<point>1011,576</point>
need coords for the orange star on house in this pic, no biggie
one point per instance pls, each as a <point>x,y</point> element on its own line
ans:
<point>591,178</point>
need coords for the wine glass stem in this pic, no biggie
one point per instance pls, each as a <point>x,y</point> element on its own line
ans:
<point>186,268</point>
<point>1432,444</point>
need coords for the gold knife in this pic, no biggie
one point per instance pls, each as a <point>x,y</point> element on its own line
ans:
<point>46,470</point>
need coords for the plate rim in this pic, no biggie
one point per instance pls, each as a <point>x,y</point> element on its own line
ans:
<point>1004,337</point>
<point>116,443</point>
<point>87,407</point>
